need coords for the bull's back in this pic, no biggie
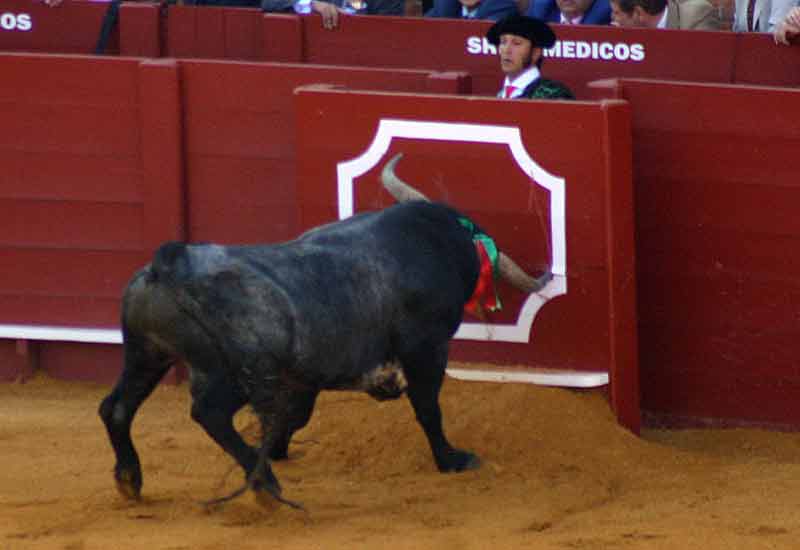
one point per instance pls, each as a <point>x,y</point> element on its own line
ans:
<point>403,273</point>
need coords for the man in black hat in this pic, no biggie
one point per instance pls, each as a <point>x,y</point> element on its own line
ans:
<point>520,41</point>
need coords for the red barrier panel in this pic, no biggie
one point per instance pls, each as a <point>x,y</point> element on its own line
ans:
<point>716,187</point>
<point>73,27</point>
<point>548,199</point>
<point>140,30</point>
<point>759,60</point>
<point>102,164</point>
<point>585,53</point>
<point>96,165</point>
<point>215,32</point>
<point>240,140</point>
<point>582,54</point>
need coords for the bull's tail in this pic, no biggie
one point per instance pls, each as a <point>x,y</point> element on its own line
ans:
<point>506,266</point>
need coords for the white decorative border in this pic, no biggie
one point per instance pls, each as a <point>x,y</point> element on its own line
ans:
<point>61,334</point>
<point>540,377</point>
<point>389,129</point>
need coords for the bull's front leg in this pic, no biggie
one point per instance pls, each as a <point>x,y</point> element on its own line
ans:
<point>425,374</point>
<point>299,410</point>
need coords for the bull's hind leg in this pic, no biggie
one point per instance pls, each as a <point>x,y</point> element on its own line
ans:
<point>143,370</point>
<point>424,372</point>
<point>270,400</point>
<point>215,401</point>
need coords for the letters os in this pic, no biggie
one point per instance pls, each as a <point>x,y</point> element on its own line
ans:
<point>15,22</point>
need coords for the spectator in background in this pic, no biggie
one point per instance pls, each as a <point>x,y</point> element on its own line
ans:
<point>520,42</point>
<point>571,12</point>
<point>759,15</point>
<point>330,9</point>
<point>472,9</point>
<point>788,30</point>
<point>661,14</point>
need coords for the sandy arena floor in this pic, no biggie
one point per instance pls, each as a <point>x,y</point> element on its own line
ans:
<point>558,474</point>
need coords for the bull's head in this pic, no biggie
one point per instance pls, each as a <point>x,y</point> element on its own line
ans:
<point>507,268</point>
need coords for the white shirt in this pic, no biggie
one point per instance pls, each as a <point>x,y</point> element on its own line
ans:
<point>467,13</point>
<point>662,23</point>
<point>573,21</point>
<point>522,81</point>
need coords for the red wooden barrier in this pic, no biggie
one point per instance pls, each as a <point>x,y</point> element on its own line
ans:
<point>91,184</point>
<point>758,60</point>
<point>73,27</point>
<point>583,53</point>
<point>240,140</point>
<point>215,33</point>
<point>490,159</point>
<point>718,283</point>
<point>118,159</point>
<point>141,30</point>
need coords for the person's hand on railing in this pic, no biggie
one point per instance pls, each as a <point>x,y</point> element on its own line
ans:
<point>788,30</point>
<point>328,11</point>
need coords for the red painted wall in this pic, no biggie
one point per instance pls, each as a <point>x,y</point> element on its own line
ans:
<point>72,28</point>
<point>159,149</point>
<point>73,163</point>
<point>91,184</point>
<point>240,140</point>
<point>130,153</point>
<point>585,53</point>
<point>716,230</point>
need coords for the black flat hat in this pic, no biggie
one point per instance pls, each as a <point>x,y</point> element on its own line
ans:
<point>535,30</point>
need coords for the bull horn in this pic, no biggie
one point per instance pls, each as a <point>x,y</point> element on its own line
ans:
<point>506,267</point>
<point>518,278</point>
<point>400,190</point>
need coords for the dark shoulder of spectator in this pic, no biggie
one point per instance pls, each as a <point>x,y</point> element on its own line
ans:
<point>544,88</point>
<point>487,9</point>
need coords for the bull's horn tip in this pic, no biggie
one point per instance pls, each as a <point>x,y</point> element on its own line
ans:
<point>394,159</point>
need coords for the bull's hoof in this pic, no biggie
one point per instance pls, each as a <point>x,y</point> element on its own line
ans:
<point>268,496</point>
<point>266,500</point>
<point>458,461</point>
<point>129,485</point>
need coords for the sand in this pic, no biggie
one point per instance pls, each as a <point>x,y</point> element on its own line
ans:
<point>558,473</point>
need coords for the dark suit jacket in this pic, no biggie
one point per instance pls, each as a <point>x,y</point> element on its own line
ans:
<point>599,13</point>
<point>487,9</point>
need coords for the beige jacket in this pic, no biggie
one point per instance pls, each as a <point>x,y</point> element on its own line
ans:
<point>693,14</point>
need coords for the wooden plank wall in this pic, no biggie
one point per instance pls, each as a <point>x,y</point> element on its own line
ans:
<point>105,158</point>
<point>716,230</point>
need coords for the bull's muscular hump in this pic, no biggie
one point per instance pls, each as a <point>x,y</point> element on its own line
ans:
<point>368,303</point>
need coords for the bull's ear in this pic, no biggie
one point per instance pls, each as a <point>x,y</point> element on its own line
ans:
<point>400,190</point>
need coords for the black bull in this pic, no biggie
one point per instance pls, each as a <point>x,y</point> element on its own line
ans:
<point>368,303</point>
